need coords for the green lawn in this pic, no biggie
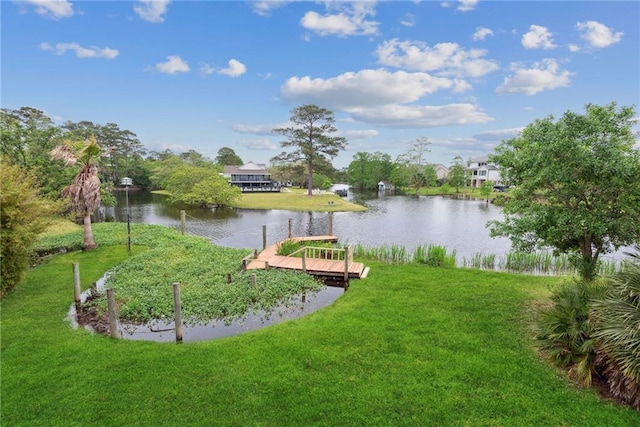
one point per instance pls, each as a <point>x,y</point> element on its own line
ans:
<point>408,346</point>
<point>297,200</point>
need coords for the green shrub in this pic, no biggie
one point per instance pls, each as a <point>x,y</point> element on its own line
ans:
<point>617,332</point>
<point>565,330</point>
<point>23,215</point>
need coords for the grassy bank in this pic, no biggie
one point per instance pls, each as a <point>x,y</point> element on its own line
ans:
<point>297,200</point>
<point>410,345</point>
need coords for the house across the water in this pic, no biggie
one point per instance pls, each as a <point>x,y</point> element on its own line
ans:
<point>251,177</point>
<point>481,170</point>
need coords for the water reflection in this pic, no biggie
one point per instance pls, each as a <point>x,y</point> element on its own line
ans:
<point>298,307</point>
<point>390,219</point>
<point>160,331</point>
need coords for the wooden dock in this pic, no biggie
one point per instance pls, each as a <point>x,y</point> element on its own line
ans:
<point>314,261</point>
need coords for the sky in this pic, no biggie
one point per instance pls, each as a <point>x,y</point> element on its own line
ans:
<point>204,75</point>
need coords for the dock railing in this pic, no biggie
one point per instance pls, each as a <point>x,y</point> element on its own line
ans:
<point>329,254</point>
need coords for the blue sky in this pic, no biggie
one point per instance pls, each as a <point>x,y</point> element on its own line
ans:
<point>207,74</point>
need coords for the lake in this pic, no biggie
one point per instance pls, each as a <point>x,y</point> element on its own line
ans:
<point>390,219</point>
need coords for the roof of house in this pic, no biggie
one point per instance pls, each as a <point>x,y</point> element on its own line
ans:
<point>247,168</point>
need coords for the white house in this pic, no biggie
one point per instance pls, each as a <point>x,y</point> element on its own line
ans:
<point>481,170</point>
<point>251,177</point>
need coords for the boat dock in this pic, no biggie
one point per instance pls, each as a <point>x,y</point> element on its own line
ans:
<point>335,264</point>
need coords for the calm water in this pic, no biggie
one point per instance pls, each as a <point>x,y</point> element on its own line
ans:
<point>401,220</point>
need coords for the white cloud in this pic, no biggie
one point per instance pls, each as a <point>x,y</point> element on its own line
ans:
<point>258,129</point>
<point>350,20</point>
<point>207,69</point>
<point>411,116</point>
<point>598,35</point>
<point>174,65</point>
<point>409,20</point>
<point>81,52</point>
<point>54,9</point>
<point>498,134</point>
<point>467,5</point>
<point>259,145</point>
<point>381,97</point>
<point>445,58</point>
<point>574,48</point>
<point>264,8</point>
<point>538,37</point>
<point>151,10</point>
<point>235,69</point>
<point>366,87</point>
<point>482,33</point>
<point>359,134</point>
<point>544,75</point>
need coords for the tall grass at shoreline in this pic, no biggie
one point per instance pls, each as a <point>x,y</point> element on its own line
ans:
<point>542,262</point>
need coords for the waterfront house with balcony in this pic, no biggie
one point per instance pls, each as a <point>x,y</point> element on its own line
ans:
<point>251,177</point>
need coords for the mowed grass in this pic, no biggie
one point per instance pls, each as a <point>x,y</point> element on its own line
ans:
<point>408,346</point>
<point>297,200</point>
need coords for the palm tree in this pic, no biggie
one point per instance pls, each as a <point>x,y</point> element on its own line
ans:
<point>85,190</point>
<point>617,331</point>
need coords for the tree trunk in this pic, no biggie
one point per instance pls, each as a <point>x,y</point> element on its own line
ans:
<point>310,179</point>
<point>88,243</point>
<point>589,261</point>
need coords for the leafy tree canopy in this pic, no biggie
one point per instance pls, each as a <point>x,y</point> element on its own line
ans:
<point>227,157</point>
<point>311,140</point>
<point>577,184</point>
<point>413,168</point>
<point>366,170</point>
<point>200,186</point>
<point>457,173</point>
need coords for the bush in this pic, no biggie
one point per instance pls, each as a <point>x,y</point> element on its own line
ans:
<point>24,213</point>
<point>617,332</point>
<point>565,331</point>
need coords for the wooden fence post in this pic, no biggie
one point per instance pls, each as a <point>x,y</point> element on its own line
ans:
<point>177,311</point>
<point>264,237</point>
<point>346,263</point>
<point>76,285</point>
<point>183,220</point>
<point>304,260</point>
<point>330,223</point>
<point>229,277</point>
<point>253,280</point>
<point>113,316</point>
<point>290,227</point>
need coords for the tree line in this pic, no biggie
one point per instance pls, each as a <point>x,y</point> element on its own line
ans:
<point>577,179</point>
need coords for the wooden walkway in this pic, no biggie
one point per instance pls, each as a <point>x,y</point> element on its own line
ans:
<point>314,266</point>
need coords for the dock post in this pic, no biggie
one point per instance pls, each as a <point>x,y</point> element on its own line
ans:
<point>330,223</point>
<point>304,260</point>
<point>76,285</point>
<point>177,311</point>
<point>346,263</point>
<point>290,222</point>
<point>183,220</point>
<point>113,317</point>
<point>264,237</point>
